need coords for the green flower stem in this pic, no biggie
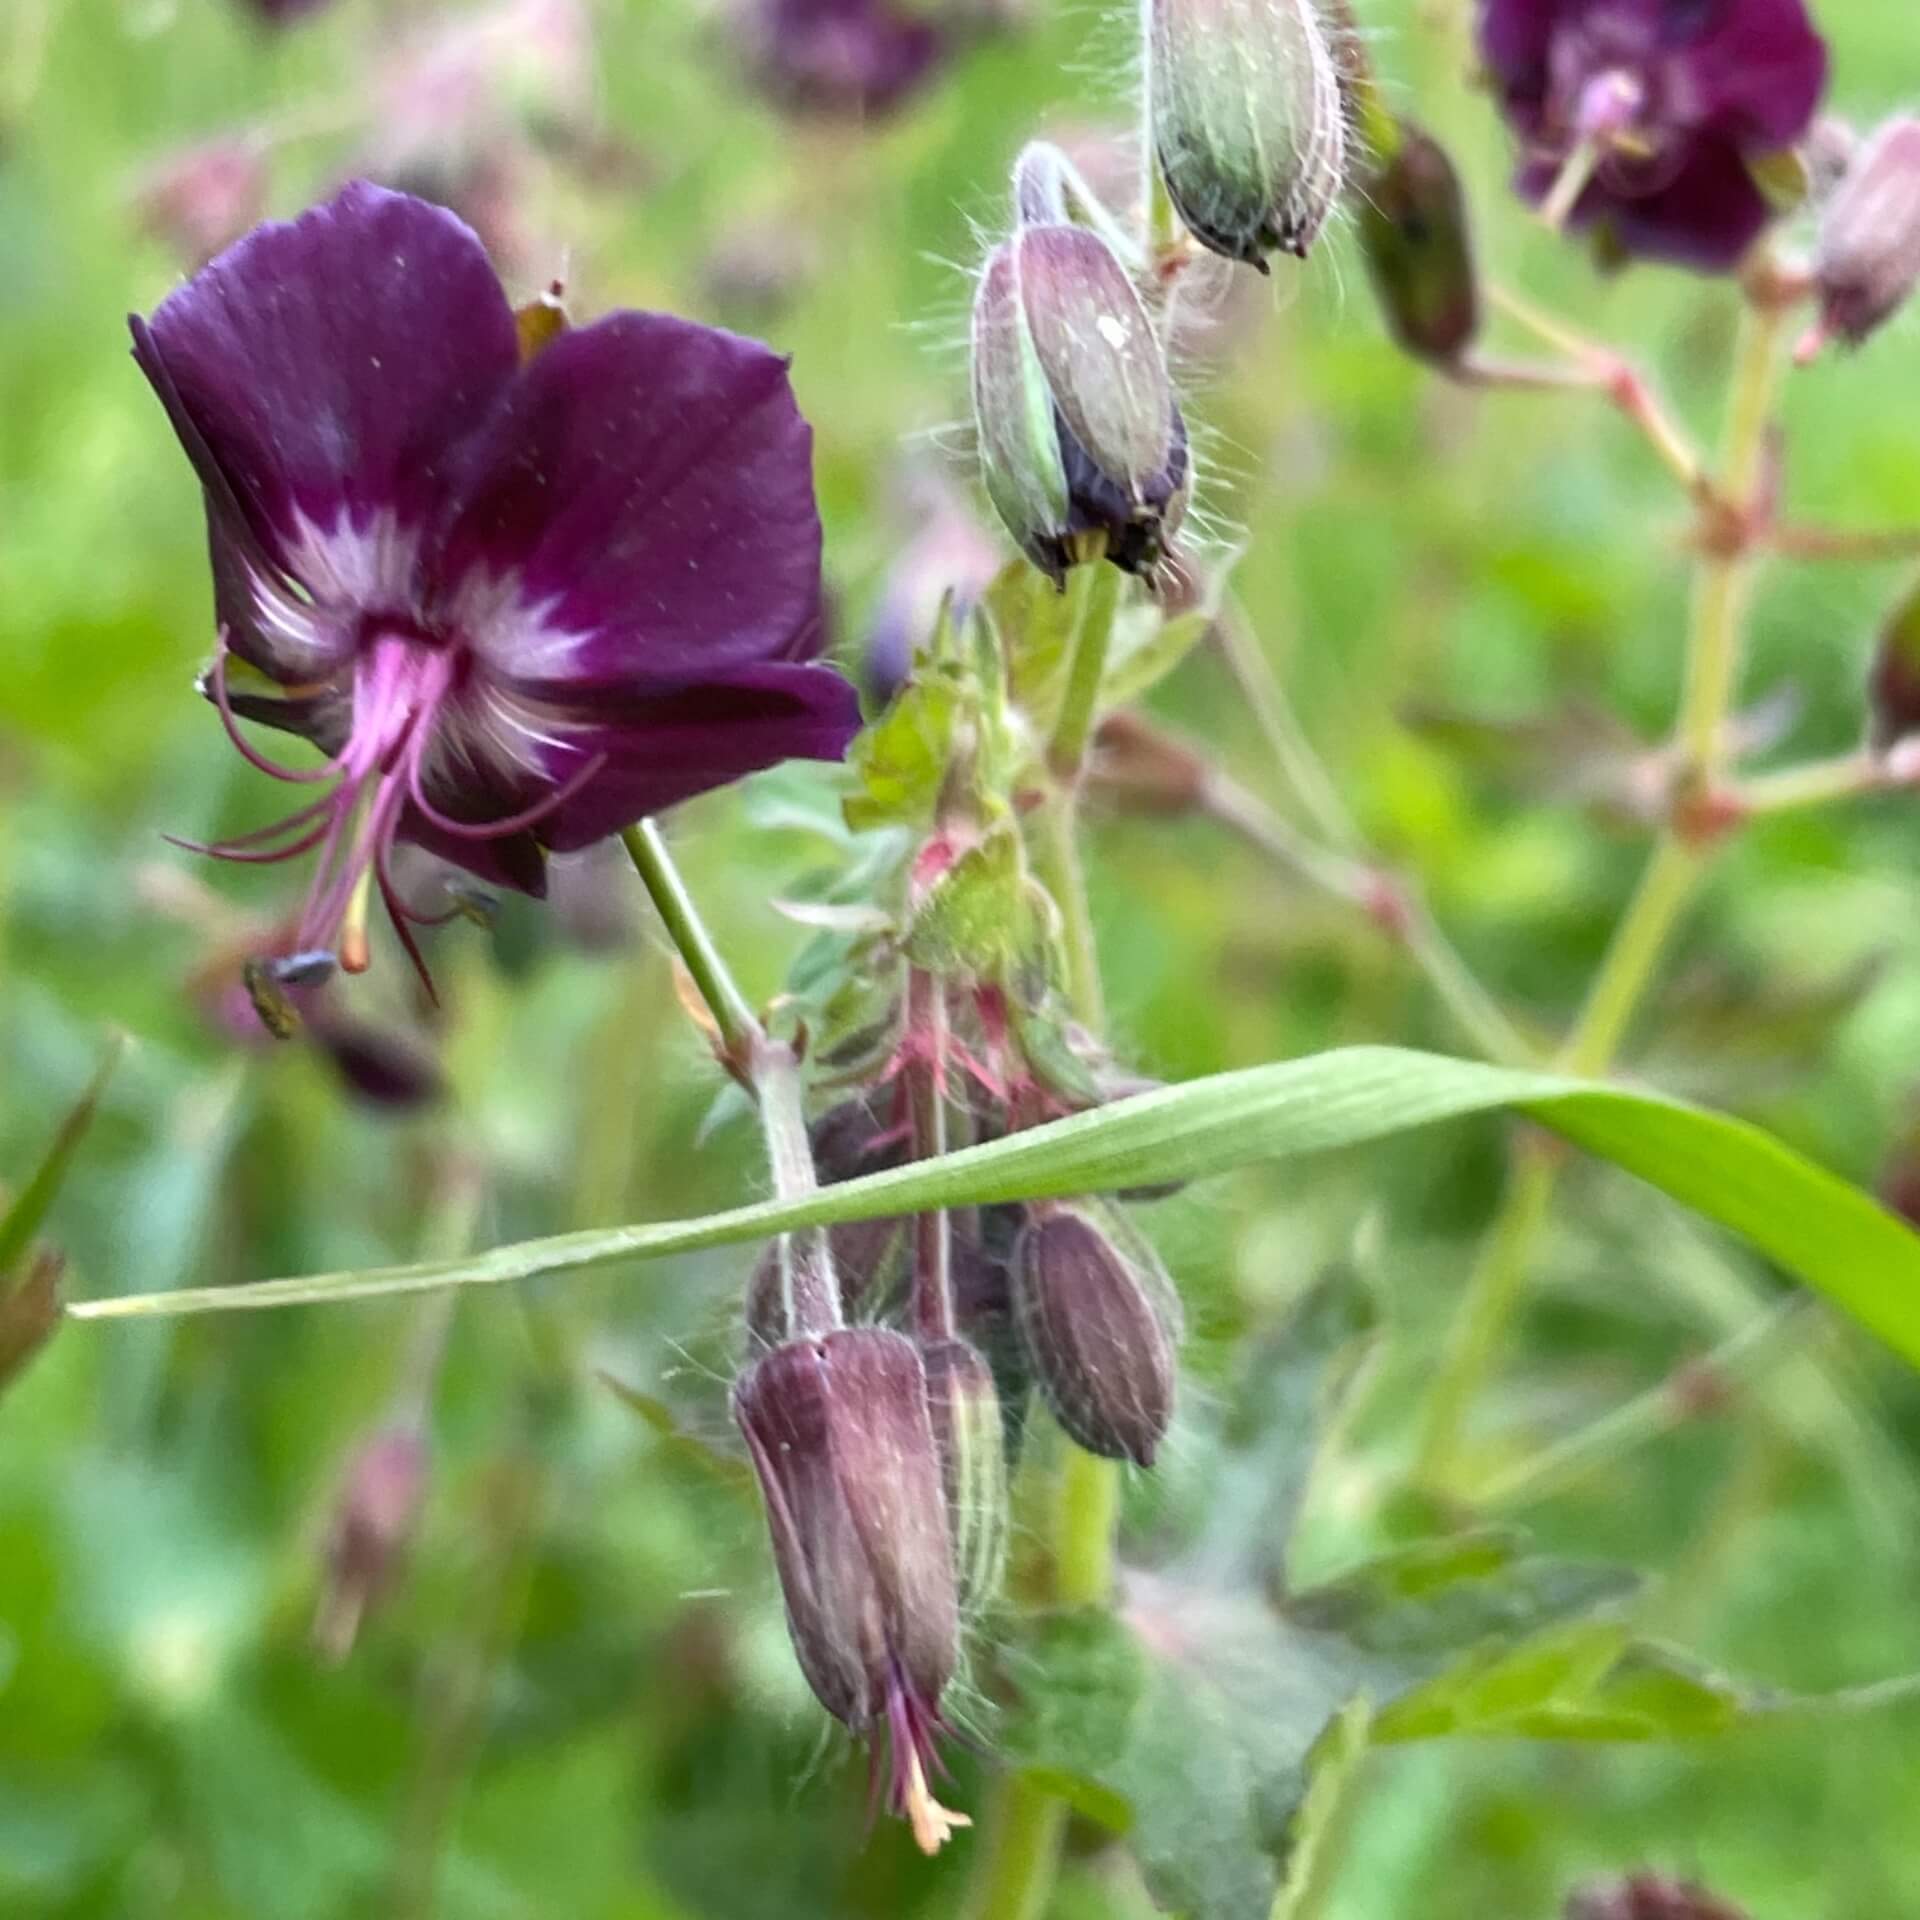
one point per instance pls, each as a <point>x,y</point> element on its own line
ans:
<point>764,1064</point>
<point>734,1020</point>
<point>1726,578</point>
<point>1845,777</point>
<point>1498,1280</point>
<point>1696,1384</point>
<point>1093,589</point>
<point>1055,852</point>
<point>932,1232</point>
<point>1019,1856</point>
<point>1018,1853</point>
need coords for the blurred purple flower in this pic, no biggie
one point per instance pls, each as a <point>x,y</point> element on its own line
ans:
<point>843,58</point>
<point>950,552</point>
<point>517,607</point>
<point>1675,96</point>
<point>279,12</point>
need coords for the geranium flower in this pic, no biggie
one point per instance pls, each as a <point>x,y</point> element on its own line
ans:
<point>852,58</point>
<point>1659,105</point>
<point>517,607</point>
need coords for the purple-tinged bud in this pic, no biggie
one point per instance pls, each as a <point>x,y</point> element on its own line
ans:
<point>1413,226</point>
<point>965,1410</point>
<point>373,1522</point>
<point>29,1311</point>
<point>1096,1330</point>
<point>842,1441</point>
<point>1893,683</point>
<point>1867,256</point>
<point>1082,445</point>
<point>1648,1896</point>
<point>1249,124</point>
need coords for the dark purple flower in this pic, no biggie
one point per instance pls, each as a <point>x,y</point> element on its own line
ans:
<point>279,12</point>
<point>851,58</point>
<point>1674,98</point>
<point>518,607</point>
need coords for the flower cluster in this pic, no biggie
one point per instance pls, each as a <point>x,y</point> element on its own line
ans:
<point>1651,114</point>
<point>516,606</point>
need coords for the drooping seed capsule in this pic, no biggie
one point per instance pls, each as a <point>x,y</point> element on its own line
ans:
<point>1097,1335</point>
<point>1413,227</point>
<point>1893,683</point>
<point>965,1411</point>
<point>1082,446</point>
<point>842,1441</point>
<point>1867,255</point>
<point>1248,122</point>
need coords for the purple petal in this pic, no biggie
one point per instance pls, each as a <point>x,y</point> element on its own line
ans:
<point>1704,215</point>
<point>639,513</point>
<point>661,749</point>
<point>1755,72</point>
<point>322,372</point>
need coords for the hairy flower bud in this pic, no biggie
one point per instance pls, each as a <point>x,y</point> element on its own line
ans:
<point>1413,226</point>
<point>1080,436</point>
<point>840,1435</point>
<point>1248,121</point>
<point>1098,1337</point>
<point>965,1411</point>
<point>1867,257</point>
<point>1893,683</point>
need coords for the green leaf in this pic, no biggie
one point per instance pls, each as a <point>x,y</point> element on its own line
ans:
<point>21,1221</point>
<point>1146,651</point>
<point>1034,621</point>
<point>1828,1233</point>
<point>901,760</point>
<point>973,921</point>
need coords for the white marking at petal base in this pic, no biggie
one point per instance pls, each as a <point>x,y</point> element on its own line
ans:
<point>519,639</point>
<point>347,569</point>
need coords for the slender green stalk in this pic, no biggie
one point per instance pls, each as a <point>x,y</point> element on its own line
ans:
<point>1498,1281</point>
<point>932,1232</point>
<point>1020,1852</point>
<point>1094,591</point>
<point>1725,578</point>
<point>765,1064</point>
<point>1055,851</point>
<point>738,1027</point>
<point>1845,777</point>
<point>1632,955</point>
<point>1019,1846</point>
<point>1738,1361</point>
<point>1493,1289</point>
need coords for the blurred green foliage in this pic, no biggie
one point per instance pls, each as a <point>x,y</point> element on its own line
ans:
<point>581,1690</point>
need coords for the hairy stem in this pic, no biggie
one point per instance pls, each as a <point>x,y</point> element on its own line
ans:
<point>764,1064</point>
<point>1498,1281</point>
<point>932,1232</point>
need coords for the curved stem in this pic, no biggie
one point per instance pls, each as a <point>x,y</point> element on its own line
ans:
<point>766,1065</point>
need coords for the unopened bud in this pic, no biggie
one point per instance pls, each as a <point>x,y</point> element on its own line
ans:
<point>1893,683</point>
<point>1081,443</point>
<point>29,1311</point>
<point>1648,1896</point>
<point>1096,1334</point>
<point>1248,122</point>
<point>1867,256</point>
<point>965,1411</point>
<point>842,1440</point>
<point>1413,225</point>
<point>373,1521</point>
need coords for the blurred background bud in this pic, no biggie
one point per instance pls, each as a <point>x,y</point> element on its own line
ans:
<point>1100,1348</point>
<point>29,1310</point>
<point>1419,250</point>
<point>964,1407</point>
<point>374,1517</point>
<point>1248,122</point>
<point>1893,681</point>
<point>948,553</point>
<point>1648,1896</point>
<point>839,59</point>
<point>197,203</point>
<point>1867,254</point>
<point>1079,433</point>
